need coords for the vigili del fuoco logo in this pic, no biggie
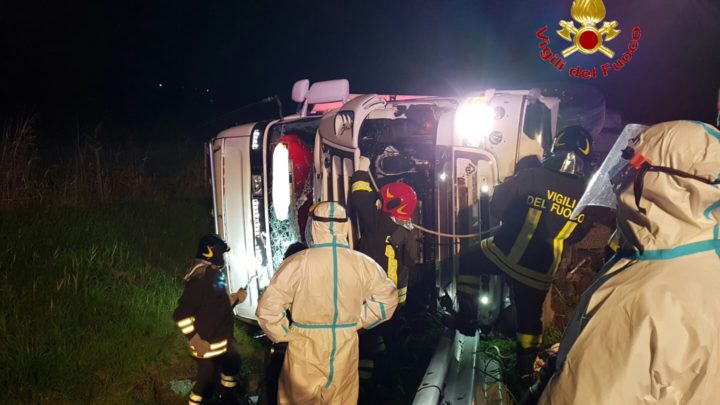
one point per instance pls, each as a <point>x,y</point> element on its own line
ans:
<point>587,39</point>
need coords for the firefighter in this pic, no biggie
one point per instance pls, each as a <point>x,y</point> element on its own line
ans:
<point>534,207</point>
<point>204,315</point>
<point>646,331</point>
<point>333,291</point>
<point>386,237</point>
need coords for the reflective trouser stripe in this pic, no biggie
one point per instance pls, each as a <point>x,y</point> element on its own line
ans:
<point>402,295</point>
<point>227,380</point>
<point>194,399</point>
<point>528,341</point>
<point>366,369</point>
<point>380,345</point>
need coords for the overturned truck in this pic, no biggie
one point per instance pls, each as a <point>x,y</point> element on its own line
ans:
<point>452,150</point>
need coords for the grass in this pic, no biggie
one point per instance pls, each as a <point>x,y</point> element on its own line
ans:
<point>87,294</point>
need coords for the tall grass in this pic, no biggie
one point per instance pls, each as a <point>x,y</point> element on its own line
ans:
<point>94,167</point>
<point>87,297</point>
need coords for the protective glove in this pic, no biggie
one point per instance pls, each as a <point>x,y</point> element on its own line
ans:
<point>363,164</point>
<point>237,297</point>
<point>199,345</point>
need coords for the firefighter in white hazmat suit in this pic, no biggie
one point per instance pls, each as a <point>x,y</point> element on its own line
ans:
<point>332,292</point>
<point>647,331</point>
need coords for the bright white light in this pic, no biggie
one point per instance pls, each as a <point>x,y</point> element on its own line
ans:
<point>256,227</point>
<point>255,139</point>
<point>484,188</point>
<point>484,300</point>
<point>160,84</point>
<point>474,121</point>
<point>281,182</point>
<point>443,176</point>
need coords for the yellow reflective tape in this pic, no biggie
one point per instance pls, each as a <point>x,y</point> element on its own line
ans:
<point>469,279</point>
<point>191,402</point>
<point>392,263</point>
<point>188,329</point>
<point>528,341</point>
<point>402,293</point>
<point>217,345</point>
<point>228,384</point>
<point>195,397</point>
<point>522,274</point>
<point>367,363</point>
<point>227,377</point>
<point>361,186</point>
<point>185,322</point>
<point>210,353</point>
<point>526,233</point>
<point>467,289</point>
<point>559,244</point>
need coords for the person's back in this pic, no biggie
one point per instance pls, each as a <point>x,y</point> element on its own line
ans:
<point>332,292</point>
<point>534,207</point>
<point>648,328</point>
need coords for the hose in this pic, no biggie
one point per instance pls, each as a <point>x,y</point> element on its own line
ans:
<point>447,235</point>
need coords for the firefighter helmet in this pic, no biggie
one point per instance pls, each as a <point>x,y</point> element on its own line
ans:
<point>573,139</point>
<point>398,200</point>
<point>570,150</point>
<point>211,248</point>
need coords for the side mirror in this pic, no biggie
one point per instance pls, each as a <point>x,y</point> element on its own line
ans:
<point>328,91</point>
<point>300,90</point>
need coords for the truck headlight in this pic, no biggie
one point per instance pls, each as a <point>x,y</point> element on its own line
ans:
<point>474,121</point>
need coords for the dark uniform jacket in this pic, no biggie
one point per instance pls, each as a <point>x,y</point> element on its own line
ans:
<point>391,245</point>
<point>204,308</point>
<point>534,207</point>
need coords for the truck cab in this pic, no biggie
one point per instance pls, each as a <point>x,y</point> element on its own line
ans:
<point>452,150</point>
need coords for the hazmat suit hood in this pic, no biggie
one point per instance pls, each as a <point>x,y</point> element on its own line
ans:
<point>332,291</point>
<point>678,211</point>
<point>329,223</point>
<point>647,330</point>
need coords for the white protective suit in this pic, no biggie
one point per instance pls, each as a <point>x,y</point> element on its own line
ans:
<point>648,330</point>
<point>332,291</point>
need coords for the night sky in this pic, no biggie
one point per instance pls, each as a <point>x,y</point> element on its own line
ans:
<point>96,60</point>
